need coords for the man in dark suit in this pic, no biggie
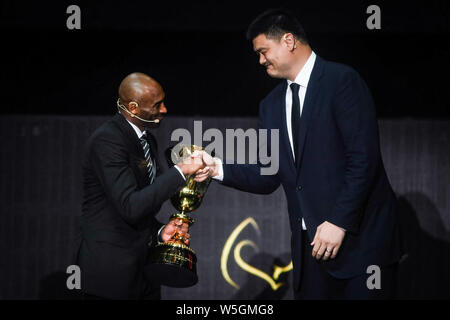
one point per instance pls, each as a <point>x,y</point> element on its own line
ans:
<point>341,206</point>
<point>124,189</point>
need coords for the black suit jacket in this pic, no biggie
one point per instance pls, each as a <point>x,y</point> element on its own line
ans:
<point>119,205</point>
<point>340,177</point>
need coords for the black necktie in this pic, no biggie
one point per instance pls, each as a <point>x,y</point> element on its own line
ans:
<point>295,119</point>
<point>150,164</point>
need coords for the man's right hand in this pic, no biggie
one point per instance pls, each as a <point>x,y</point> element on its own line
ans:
<point>192,164</point>
<point>210,170</point>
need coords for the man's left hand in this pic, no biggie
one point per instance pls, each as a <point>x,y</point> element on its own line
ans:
<point>175,226</point>
<point>327,241</point>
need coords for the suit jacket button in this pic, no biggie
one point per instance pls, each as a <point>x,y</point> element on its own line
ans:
<point>299,188</point>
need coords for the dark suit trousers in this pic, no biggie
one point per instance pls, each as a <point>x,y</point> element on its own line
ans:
<point>317,284</point>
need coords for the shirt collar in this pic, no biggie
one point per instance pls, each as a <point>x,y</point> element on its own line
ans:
<point>136,129</point>
<point>303,76</point>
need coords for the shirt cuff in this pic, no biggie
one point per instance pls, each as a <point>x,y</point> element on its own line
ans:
<point>179,170</point>
<point>160,240</point>
<point>219,163</point>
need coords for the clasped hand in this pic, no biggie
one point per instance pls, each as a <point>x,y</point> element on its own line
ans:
<point>200,165</point>
<point>211,168</point>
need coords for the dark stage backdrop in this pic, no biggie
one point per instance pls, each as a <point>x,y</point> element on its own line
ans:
<point>198,52</point>
<point>40,195</point>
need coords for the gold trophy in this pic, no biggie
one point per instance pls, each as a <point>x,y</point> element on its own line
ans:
<point>173,263</point>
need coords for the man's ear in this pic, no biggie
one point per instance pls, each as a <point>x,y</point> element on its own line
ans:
<point>132,106</point>
<point>289,40</point>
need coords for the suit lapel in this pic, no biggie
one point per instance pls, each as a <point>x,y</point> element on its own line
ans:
<point>134,147</point>
<point>308,108</point>
<point>130,135</point>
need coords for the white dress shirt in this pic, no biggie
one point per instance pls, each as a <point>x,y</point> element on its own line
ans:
<point>302,79</point>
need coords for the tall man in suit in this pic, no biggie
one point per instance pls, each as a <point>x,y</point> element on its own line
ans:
<point>342,209</point>
<point>124,189</point>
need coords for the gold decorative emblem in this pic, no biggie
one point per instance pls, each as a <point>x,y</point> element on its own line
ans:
<point>278,270</point>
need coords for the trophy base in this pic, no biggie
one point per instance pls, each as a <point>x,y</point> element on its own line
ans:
<point>172,265</point>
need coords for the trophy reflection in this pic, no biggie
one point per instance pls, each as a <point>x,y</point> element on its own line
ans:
<point>173,263</point>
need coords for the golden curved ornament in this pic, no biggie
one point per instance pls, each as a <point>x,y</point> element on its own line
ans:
<point>251,269</point>
<point>229,244</point>
<point>278,270</point>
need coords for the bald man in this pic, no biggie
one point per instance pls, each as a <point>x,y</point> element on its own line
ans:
<point>124,189</point>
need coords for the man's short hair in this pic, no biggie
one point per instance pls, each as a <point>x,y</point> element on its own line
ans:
<point>274,23</point>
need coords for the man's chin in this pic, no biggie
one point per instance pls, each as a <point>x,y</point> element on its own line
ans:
<point>272,73</point>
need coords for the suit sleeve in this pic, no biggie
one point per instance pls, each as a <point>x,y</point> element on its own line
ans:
<point>248,177</point>
<point>356,120</point>
<point>110,161</point>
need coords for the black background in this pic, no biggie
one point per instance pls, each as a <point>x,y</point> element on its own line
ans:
<point>197,50</point>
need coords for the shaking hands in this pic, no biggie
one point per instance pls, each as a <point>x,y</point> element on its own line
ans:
<point>211,168</point>
<point>201,165</point>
